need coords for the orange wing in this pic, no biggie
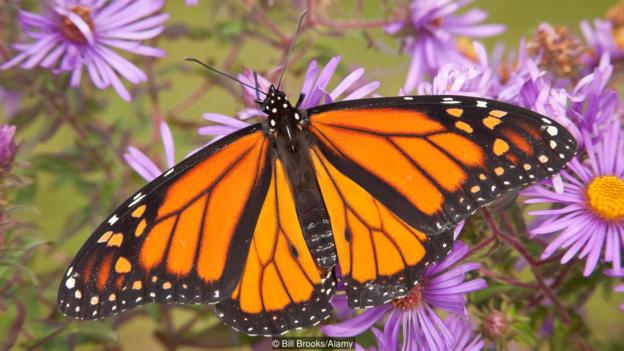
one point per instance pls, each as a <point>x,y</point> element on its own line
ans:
<point>380,256</point>
<point>434,160</point>
<point>281,288</point>
<point>183,238</point>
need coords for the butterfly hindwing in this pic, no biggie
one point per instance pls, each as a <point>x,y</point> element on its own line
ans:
<point>281,287</point>
<point>381,257</point>
<point>182,238</point>
<point>434,160</point>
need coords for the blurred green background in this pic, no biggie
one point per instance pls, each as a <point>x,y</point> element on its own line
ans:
<point>59,204</point>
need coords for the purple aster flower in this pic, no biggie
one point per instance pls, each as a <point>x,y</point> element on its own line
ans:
<point>430,31</point>
<point>7,146</point>
<point>460,79</point>
<point>600,40</point>
<point>587,217</point>
<point>143,165</point>
<point>77,34</point>
<point>594,105</point>
<point>314,87</point>
<point>191,2</point>
<point>443,287</point>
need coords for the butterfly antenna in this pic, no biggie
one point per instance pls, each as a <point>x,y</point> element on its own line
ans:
<point>192,59</point>
<point>290,48</point>
<point>255,75</point>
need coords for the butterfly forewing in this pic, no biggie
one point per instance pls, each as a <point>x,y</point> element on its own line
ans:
<point>434,160</point>
<point>182,238</point>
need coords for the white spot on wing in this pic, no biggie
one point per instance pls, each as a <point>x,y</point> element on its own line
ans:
<point>481,103</point>
<point>113,219</point>
<point>136,199</point>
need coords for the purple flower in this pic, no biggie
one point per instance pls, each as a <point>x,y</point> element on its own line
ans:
<point>191,2</point>
<point>600,40</point>
<point>430,31</point>
<point>442,287</point>
<point>7,146</point>
<point>77,34</point>
<point>587,217</point>
<point>142,164</point>
<point>314,87</point>
<point>594,105</point>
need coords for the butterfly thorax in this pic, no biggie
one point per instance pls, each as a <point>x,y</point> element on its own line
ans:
<point>284,121</point>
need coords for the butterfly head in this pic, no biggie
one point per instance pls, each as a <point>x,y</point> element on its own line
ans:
<point>280,113</point>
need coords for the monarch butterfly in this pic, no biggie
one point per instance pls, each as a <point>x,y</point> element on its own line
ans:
<point>256,222</point>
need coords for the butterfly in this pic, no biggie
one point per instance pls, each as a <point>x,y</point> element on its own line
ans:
<point>256,222</point>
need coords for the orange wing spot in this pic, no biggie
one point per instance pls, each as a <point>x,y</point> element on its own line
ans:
<point>115,240</point>
<point>104,238</point>
<point>137,285</point>
<point>184,241</point>
<point>140,228</point>
<point>518,141</point>
<point>386,120</point>
<point>363,256</point>
<point>443,169</point>
<point>203,175</point>
<point>156,242</point>
<point>225,207</point>
<point>138,212</point>
<point>463,126</point>
<point>498,113</point>
<point>455,112</point>
<point>389,260</point>
<point>460,147</point>
<point>499,171</point>
<point>491,122</point>
<point>122,265</point>
<point>500,147</point>
<point>250,294</point>
<point>378,156</point>
<point>273,293</point>
<point>104,271</point>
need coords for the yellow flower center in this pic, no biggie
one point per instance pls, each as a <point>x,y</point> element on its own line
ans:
<point>70,30</point>
<point>606,197</point>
